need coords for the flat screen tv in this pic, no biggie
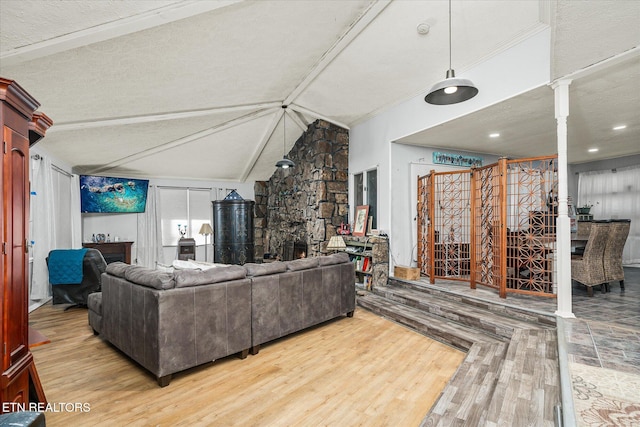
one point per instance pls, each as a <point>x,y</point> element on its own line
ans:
<point>105,194</point>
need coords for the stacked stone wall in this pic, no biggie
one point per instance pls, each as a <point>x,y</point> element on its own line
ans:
<point>308,202</point>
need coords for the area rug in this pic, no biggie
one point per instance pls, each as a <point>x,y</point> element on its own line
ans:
<point>604,397</point>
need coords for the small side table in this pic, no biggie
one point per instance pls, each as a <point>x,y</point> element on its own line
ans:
<point>186,249</point>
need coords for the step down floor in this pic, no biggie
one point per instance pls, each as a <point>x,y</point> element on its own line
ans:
<point>510,374</point>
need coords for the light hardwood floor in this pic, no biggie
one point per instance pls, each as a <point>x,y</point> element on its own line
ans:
<point>363,370</point>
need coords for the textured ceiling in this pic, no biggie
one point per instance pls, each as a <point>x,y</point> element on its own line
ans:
<point>587,32</point>
<point>193,89</point>
<point>33,22</point>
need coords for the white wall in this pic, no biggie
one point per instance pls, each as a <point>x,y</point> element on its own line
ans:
<point>123,226</point>
<point>512,72</point>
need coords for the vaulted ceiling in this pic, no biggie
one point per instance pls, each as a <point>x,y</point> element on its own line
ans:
<point>194,89</point>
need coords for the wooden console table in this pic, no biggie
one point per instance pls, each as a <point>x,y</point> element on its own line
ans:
<point>113,251</point>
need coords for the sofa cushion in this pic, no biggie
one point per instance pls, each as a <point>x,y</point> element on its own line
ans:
<point>185,278</point>
<point>117,268</point>
<point>339,258</point>
<point>302,264</point>
<point>255,270</point>
<point>150,278</point>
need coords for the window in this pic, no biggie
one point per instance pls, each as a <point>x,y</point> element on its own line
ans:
<point>372,195</point>
<point>365,185</point>
<point>183,207</point>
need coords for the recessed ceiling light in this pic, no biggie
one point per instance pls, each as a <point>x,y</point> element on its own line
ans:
<point>494,135</point>
<point>593,150</point>
<point>620,127</point>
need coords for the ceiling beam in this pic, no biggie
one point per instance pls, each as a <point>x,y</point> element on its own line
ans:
<point>308,112</point>
<point>181,141</point>
<point>72,126</point>
<point>263,143</point>
<point>297,120</point>
<point>341,44</point>
<point>109,30</point>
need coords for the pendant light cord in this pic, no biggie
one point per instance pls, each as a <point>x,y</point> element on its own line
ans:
<point>449,34</point>
<point>284,131</point>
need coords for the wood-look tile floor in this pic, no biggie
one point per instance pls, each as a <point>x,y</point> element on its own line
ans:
<point>363,370</point>
<point>603,346</point>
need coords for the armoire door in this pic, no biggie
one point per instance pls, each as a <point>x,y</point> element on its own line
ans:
<point>16,208</point>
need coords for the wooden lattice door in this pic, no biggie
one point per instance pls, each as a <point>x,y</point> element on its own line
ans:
<point>493,226</point>
<point>488,253</point>
<point>444,230</point>
<point>530,217</point>
<point>424,230</point>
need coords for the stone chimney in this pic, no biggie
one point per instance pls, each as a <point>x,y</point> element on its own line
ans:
<point>305,204</point>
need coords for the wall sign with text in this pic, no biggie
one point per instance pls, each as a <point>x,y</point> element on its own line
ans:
<point>456,159</point>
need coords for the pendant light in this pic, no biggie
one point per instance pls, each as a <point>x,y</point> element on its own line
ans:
<point>451,90</point>
<point>284,163</point>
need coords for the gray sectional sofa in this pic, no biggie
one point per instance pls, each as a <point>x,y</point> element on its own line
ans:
<point>172,321</point>
<point>305,293</point>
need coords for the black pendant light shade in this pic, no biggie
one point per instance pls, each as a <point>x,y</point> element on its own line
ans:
<point>451,90</point>
<point>284,163</point>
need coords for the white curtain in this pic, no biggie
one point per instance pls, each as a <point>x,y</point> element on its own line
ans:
<point>149,245</point>
<point>615,194</point>
<point>76,216</point>
<point>43,230</point>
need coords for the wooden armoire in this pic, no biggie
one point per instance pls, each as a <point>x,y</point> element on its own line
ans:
<point>21,128</point>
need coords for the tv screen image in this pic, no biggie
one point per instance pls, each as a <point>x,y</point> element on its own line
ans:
<point>112,195</point>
